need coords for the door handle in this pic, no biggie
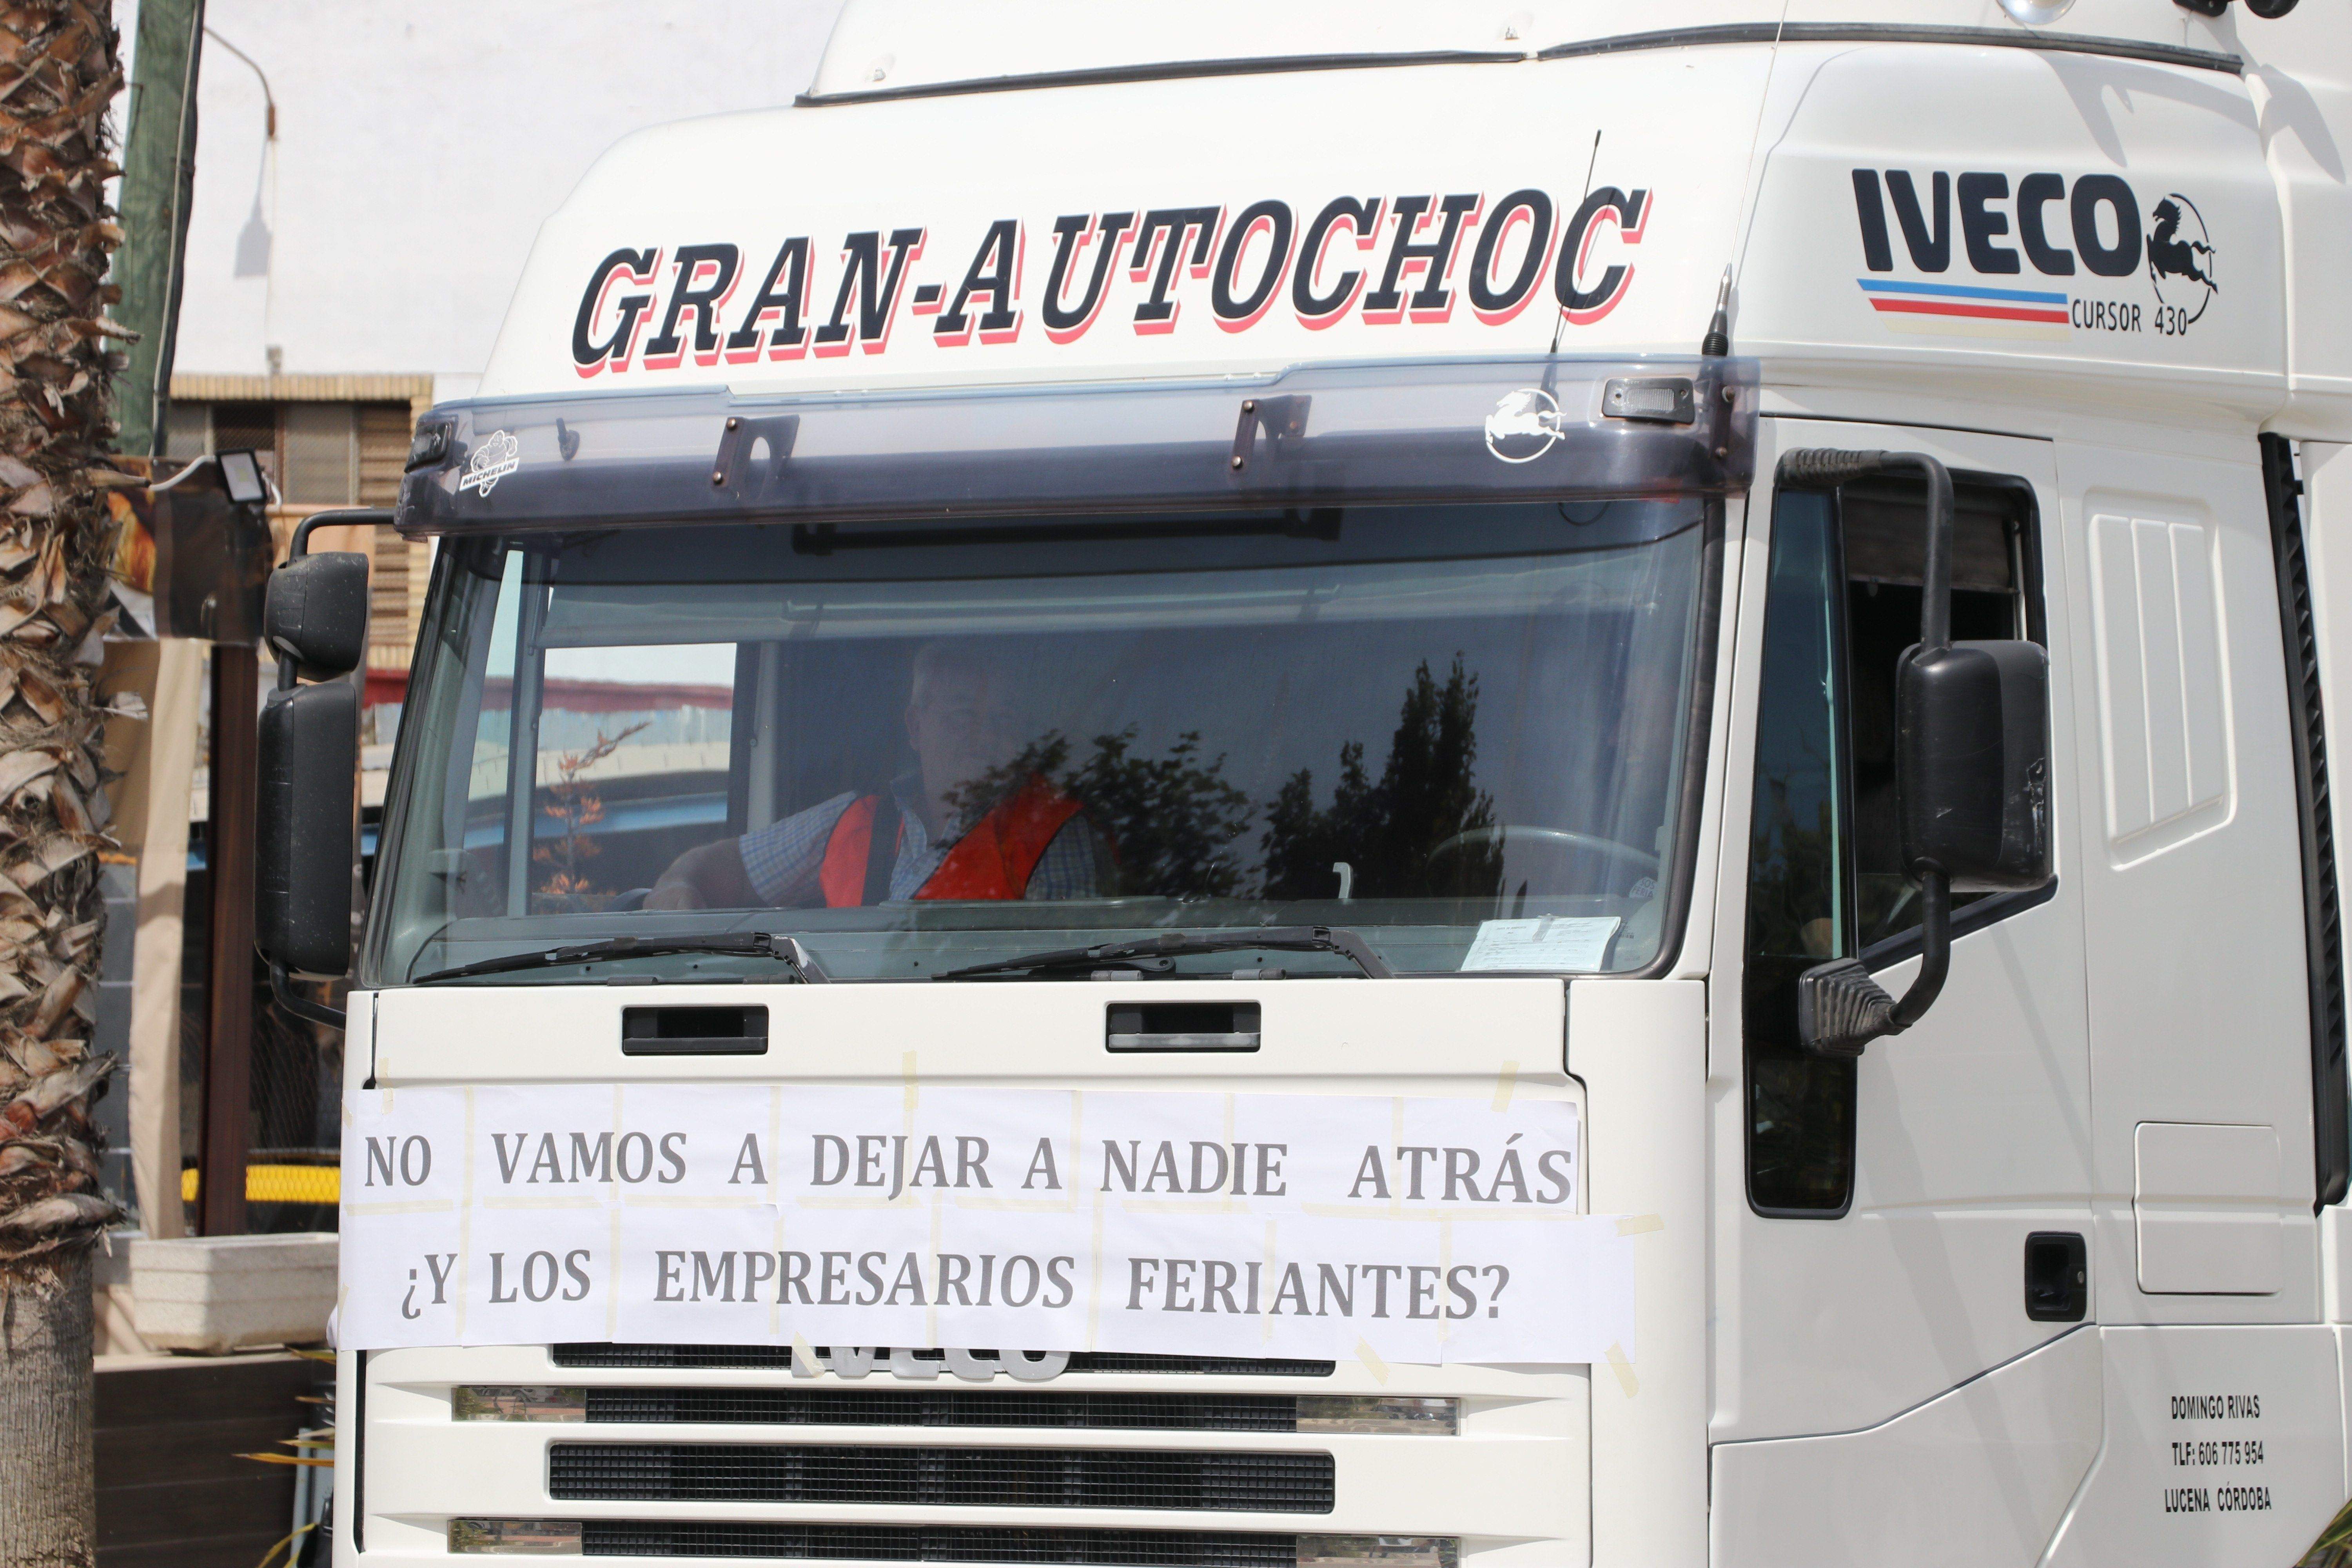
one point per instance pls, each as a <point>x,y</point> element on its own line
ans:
<point>2057,1277</point>
<point>693,1031</point>
<point>1181,1027</point>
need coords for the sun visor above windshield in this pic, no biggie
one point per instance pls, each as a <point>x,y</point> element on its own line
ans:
<point>1494,430</point>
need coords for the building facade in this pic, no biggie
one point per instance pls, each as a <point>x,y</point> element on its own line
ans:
<point>369,181</point>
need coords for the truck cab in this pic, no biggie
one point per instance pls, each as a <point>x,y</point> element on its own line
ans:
<point>1743,600</point>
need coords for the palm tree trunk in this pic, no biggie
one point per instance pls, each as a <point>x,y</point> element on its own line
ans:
<point>48,1508</point>
<point>59,72</point>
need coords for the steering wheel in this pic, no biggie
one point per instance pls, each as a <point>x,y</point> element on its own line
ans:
<point>1564,837</point>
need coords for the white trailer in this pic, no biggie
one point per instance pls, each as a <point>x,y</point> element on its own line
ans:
<point>1565,769</point>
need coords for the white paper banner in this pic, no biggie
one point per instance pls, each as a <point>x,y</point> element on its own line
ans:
<point>1244,1224</point>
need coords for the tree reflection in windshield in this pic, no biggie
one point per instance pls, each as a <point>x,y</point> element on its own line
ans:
<point>1172,820</point>
<point>1176,825</point>
<point>1389,833</point>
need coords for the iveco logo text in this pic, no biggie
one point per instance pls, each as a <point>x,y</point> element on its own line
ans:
<point>2092,229</point>
<point>854,1361</point>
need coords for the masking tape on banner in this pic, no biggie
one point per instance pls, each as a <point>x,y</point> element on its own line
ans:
<point>1623,1368</point>
<point>914,1095</point>
<point>1640,1224</point>
<point>1506,1083</point>
<point>1371,1360</point>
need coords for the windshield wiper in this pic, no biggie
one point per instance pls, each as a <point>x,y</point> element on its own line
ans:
<point>1176,943</point>
<point>749,945</point>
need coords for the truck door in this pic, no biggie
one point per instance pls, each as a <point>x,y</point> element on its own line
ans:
<point>2224,1436</point>
<point>1901,1370</point>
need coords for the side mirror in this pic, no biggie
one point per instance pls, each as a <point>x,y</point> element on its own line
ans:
<point>309,738</point>
<point>1972,771</point>
<point>1972,764</point>
<point>316,619</point>
<point>316,613</point>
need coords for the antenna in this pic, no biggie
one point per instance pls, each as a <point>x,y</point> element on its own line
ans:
<point>1559,316</point>
<point>1717,342</point>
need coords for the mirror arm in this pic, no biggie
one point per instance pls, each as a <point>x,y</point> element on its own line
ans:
<point>1840,1008</point>
<point>344,517</point>
<point>1935,952</point>
<point>302,1006</point>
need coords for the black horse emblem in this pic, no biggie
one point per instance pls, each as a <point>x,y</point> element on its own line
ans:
<point>2172,254</point>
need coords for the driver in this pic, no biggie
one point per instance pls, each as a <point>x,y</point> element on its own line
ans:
<point>926,837</point>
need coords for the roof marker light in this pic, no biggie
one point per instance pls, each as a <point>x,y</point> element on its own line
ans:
<point>2037,13</point>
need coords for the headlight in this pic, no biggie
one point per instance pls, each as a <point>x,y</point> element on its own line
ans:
<point>1378,1413</point>
<point>518,1402</point>
<point>1385,1550</point>
<point>515,1537</point>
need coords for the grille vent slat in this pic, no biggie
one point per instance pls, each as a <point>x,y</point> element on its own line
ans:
<point>943,1477</point>
<point>780,1357</point>
<point>935,1543</point>
<point>888,1407</point>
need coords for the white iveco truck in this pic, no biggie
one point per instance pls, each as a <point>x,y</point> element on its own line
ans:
<point>1375,783</point>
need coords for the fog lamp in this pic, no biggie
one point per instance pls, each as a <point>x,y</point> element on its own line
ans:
<point>1378,1413</point>
<point>511,1402</point>
<point>516,1537</point>
<point>1386,1551</point>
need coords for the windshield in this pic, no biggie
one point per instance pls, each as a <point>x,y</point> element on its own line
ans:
<point>1458,731</point>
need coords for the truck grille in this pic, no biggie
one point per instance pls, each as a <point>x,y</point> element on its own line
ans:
<point>946,1408</point>
<point>935,1543</point>
<point>968,1478</point>
<point>781,1357</point>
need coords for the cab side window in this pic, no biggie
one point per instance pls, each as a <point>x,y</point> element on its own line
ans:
<point>1884,532</point>
<point>1825,872</point>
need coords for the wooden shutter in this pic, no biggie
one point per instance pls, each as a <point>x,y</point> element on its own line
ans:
<point>383,451</point>
<point>321,467</point>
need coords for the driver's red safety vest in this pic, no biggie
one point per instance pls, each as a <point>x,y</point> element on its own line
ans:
<point>993,859</point>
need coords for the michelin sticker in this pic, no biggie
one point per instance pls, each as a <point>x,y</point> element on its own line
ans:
<point>499,454</point>
<point>1246,1225</point>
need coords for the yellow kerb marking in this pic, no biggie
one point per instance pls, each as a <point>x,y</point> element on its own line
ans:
<point>1505,1082</point>
<point>1640,1224</point>
<point>1624,1371</point>
<point>1371,1360</point>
